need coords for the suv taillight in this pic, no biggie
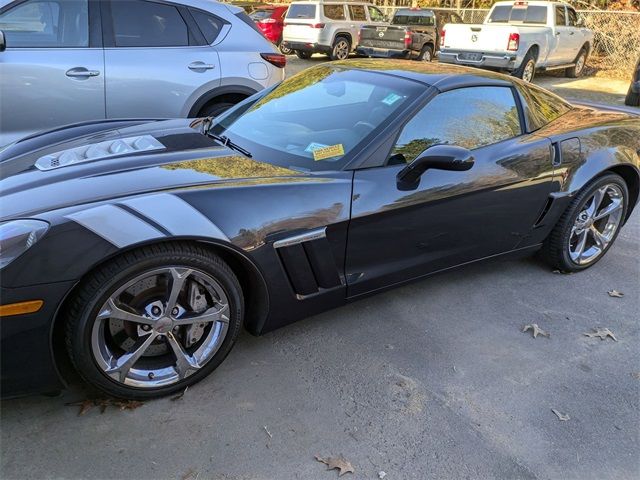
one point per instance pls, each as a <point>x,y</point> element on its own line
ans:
<point>514,41</point>
<point>407,39</point>
<point>442,33</point>
<point>276,59</point>
<point>317,25</point>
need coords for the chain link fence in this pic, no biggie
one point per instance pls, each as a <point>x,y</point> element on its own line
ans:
<point>616,35</point>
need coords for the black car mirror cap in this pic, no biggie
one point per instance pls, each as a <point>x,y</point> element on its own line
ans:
<point>437,157</point>
<point>3,42</point>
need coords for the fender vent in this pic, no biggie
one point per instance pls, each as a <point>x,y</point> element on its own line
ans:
<point>98,151</point>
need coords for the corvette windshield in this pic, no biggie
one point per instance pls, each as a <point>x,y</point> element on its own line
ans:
<point>315,120</point>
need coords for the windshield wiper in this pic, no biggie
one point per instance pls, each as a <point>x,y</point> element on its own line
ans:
<point>223,139</point>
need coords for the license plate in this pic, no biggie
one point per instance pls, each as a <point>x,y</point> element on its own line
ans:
<point>473,57</point>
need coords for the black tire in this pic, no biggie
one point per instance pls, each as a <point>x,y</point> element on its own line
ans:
<point>340,49</point>
<point>303,54</point>
<point>215,109</point>
<point>555,250</point>
<point>523,71</point>
<point>100,284</point>
<point>426,54</point>
<point>284,50</point>
<point>578,67</point>
<point>632,99</point>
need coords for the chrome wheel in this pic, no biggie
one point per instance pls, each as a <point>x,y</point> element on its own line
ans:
<point>341,49</point>
<point>596,224</point>
<point>580,64</point>
<point>529,70</point>
<point>160,327</point>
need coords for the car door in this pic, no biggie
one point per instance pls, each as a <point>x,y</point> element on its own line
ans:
<point>576,36</point>
<point>449,218</point>
<point>157,62</point>
<point>358,17</point>
<point>563,38</point>
<point>52,72</point>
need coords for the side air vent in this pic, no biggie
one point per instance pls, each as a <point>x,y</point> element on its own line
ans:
<point>308,261</point>
<point>98,151</point>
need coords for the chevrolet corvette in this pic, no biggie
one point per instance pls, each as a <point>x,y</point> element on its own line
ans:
<point>136,250</point>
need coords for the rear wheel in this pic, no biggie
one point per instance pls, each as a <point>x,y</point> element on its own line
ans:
<point>589,226</point>
<point>632,99</point>
<point>426,54</point>
<point>215,109</point>
<point>302,54</point>
<point>578,67</point>
<point>527,69</point>
<point>154,321</point>
<point>341,49</point>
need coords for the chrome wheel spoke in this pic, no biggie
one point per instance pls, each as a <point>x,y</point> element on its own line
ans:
<point>185,363</point>
<point>111,310</point>
<point>214,314</point>
<point>614,206</point>
<point>600,239</point>
<point>120,367</point>
<point>579,250</point>
<point>596,201</point>
<point>178,278</point>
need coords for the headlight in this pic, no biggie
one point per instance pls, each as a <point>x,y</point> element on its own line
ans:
<point>17,236</point>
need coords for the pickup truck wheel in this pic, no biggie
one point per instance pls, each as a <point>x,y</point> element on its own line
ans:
<point>527,69</point>
<point>303,55</point>
<point>426,54</point>
<point>341,49</point>
<point>632,99</point>
<point>284,50</point>
<point>578,67</point>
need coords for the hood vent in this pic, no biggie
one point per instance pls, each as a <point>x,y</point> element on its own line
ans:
<point>98,151</point>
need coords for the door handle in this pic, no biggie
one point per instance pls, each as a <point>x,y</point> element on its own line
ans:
<point>571,33</point>
<point>81,72</point>
<point>201,66</point>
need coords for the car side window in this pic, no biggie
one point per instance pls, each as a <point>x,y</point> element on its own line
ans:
<point>47,24</point>
<point>573,17</point>
<point>209,25</point>
<point>561,18</point>
<point>375,14</point>
<point>357,13</point>
<point>470,117</point>
<point>334,12</point>
<point>541,107</point>
<point>139,23</point>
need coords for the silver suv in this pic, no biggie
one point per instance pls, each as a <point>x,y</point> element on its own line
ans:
<point>327,27</point>
<point>70,61</point>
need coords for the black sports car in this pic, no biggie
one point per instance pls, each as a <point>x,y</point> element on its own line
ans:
<point>138,248</point>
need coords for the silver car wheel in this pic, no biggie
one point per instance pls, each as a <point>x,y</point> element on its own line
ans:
<point>529,70</point>
<point>580,64</point>
<point>341,49</point>
<point>160,327</point>
<point>596,224</point>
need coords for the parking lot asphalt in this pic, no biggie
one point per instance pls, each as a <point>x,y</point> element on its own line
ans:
<point>432,380</point>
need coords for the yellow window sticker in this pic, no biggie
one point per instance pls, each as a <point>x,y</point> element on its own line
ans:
<point>328,152</point>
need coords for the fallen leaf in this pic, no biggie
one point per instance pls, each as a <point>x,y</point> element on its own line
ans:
<point>382,474</point>
<point>103,403</point>
<point>338,462</point>
<point>180,395</point>
<point>562,417</point>
<point>615,294</point>
<point>601,333</point>
<point>536,330</point>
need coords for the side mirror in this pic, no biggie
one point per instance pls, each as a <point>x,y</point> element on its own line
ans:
<point>438,157</point>
<point>3,42</point>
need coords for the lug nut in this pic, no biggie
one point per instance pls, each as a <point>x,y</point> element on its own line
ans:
<point>175,311</point>
<point>146,328</point>
<point>156,310</point>
<point>151,375</point>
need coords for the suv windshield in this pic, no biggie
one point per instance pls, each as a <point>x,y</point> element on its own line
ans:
<point>301,10</point>
<point>536,14</point>
<point>312,121</point>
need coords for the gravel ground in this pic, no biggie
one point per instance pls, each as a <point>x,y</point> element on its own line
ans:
<point>431,380</point>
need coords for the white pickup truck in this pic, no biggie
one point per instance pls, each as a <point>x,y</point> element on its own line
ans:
<point>521,37</point>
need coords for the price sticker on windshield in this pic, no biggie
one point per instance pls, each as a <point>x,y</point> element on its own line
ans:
<point>328,152</point>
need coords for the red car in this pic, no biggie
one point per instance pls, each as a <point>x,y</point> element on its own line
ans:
<point>270,20</point>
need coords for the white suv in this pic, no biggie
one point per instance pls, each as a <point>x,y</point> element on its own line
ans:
<point>329,27</point>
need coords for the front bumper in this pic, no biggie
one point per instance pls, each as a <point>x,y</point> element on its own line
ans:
<point>307,47</point>
<point>383,52</point>
<point>27,363</point>
<point>501,61</point>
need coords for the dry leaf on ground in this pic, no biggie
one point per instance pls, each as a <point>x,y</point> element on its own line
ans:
<point>103,403</point>
<point>536,330</point>
<point>615,294</point>
<point>561,416</point>
<point>338,462</point>
<point>601,333</point>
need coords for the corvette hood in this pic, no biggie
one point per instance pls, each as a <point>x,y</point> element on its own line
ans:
<point>77,167</point>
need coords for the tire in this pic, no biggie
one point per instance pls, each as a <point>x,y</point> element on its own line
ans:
<point>341,49</point>
<point>578,68</point>
<point>426,54</point>
<point>527,69</point>
<point>284,50</point>
<point>632,99</point>
<point>215,109</point>
<point>304,55</point>
<point>563,241</point>
<point>92,345</point>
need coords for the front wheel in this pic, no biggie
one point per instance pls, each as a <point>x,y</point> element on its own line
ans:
<point>589,226</point>
<point>341,49</point>
<point>154,321</point>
